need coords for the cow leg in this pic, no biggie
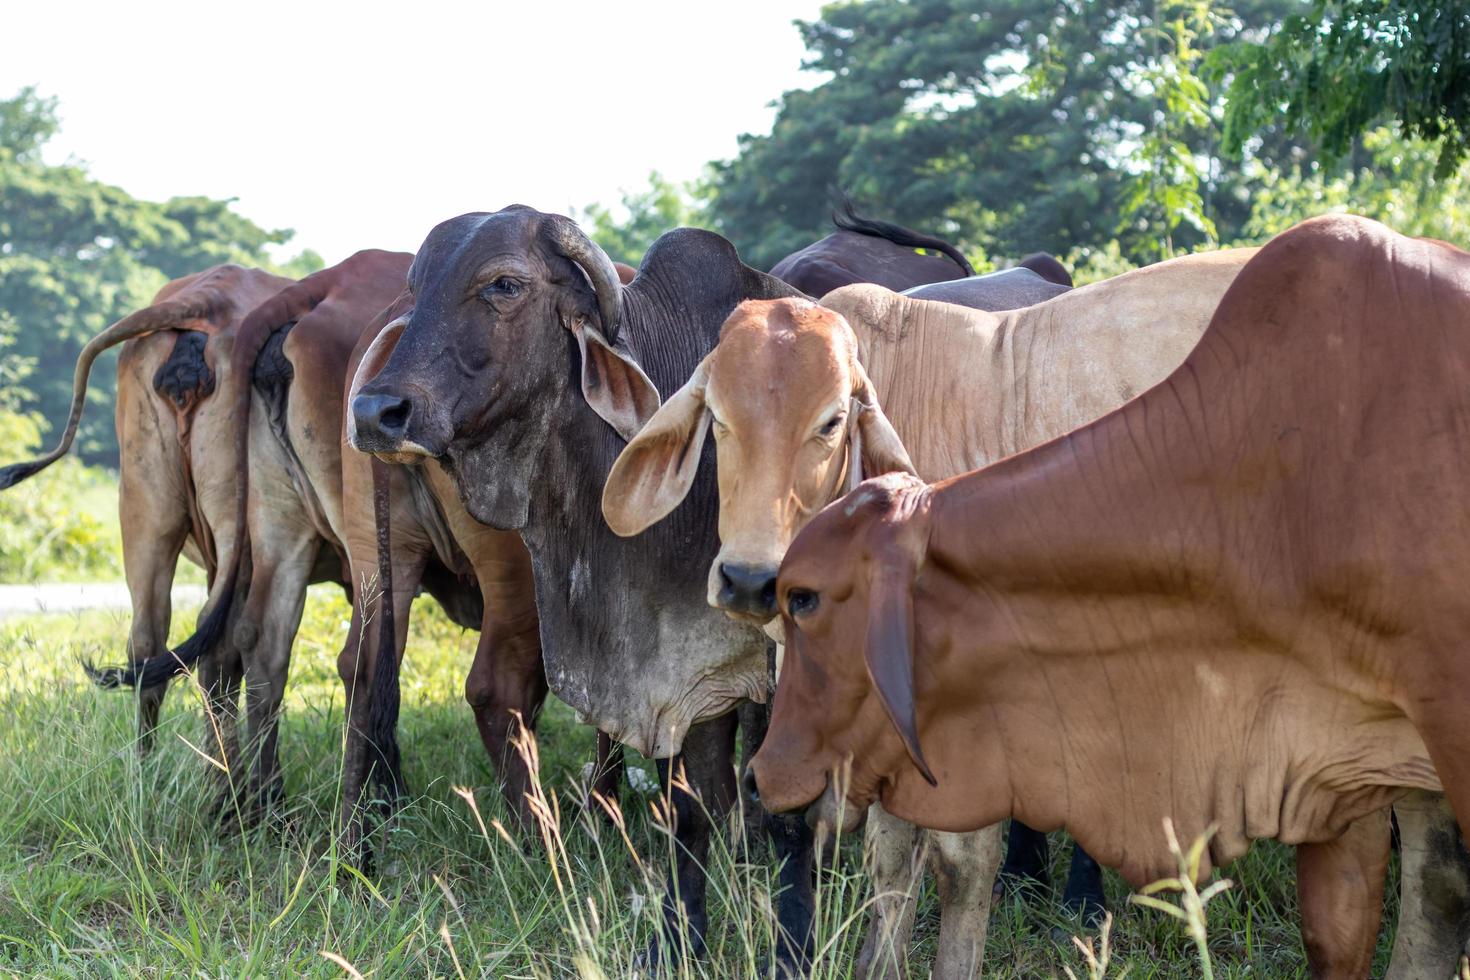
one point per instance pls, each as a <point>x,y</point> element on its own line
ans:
<point>891,856</point>
<point>1028,860</point>
<point>964,870</point>
<point>218,674</point>
<point>1083,895</point>
<point>706,766</point>
<point>506,681</point>
<point>153,537</point>
<point>608,771</point>
<point>1434,890</point>
<point>264,633</point>
<point>792,838</point>
<point>355,667</point>
<point>1340,887</point>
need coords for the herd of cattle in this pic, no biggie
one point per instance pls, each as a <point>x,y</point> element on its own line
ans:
<point>1197,547</point>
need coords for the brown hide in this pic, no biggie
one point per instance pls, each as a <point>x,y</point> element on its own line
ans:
<point>1238,600</point>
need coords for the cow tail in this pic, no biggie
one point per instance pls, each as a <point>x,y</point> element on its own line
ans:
<point>383,701</point>
<point>287,306</point>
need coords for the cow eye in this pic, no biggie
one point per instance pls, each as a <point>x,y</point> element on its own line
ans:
<point>832,424</point>
<point>801,601</point>
<point>502,287</point>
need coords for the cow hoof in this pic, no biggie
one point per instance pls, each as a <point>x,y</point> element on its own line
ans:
<point>1023,886</point>
<point>662,951</point>
<point>1089,909</point>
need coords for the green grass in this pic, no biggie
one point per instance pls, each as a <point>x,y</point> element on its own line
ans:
<point>112,866</point>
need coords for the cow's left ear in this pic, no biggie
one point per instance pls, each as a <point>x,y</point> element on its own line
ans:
<point>882,451</point>
<point>889,651</point>
<point>612,382</point>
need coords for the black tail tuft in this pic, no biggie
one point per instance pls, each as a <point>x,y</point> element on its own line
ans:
<point>847,218</point>
<point>16,472</point>
<point>157,670</point>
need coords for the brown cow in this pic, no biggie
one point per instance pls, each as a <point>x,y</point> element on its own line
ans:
<point>1236,601</point>
<point>795,397</point>
<point>176,493</point>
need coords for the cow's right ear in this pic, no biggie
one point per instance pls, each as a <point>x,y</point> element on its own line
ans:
<point>882,449</point>
<point>655,470</point>
<point>889,652</point>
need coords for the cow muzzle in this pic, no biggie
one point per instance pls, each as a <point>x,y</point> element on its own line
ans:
<point>747,591</point>
<point>382,424</point>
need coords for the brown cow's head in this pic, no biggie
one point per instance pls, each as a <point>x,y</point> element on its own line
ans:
<point>847,586</point>
<point>498,299</point>
<point>795,421</point>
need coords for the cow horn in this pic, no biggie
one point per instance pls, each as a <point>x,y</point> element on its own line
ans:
<point>161,316</point>
<point>573,243</point>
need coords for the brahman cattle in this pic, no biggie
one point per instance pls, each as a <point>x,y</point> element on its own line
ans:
<point>176,493</point>
<point>799,402</point>
<point>524,368</point>
<point>480,575</point>
<point>1236,602</point>
<point>865,250</point>
<point>1009,289</point>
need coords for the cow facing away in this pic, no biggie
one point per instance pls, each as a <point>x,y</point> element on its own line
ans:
<point>1236,601</point>
<point>176,486</point>
<point>805,400</point>
<point>524,368</point>
<point>865,250</point>
<point>296,346</point>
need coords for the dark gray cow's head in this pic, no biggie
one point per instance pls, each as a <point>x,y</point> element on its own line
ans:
<point>500,301</point>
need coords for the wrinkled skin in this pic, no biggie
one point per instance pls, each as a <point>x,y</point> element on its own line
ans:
<point>1143,553</point>
<point>523,369</point>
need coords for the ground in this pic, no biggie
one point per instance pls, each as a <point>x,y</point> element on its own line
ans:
<point>112,866</point>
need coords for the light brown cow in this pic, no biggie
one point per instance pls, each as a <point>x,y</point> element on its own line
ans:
<point>1236,601</point>
<point>797,396</point>
<point>176,488</point>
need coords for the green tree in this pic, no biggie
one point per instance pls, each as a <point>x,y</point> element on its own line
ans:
<point>1006,125</point>
<point>77,254</point>
<point>1335,70</point>
<point>644,216</point>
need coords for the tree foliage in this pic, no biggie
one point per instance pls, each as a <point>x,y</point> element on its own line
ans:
<point>77,254</point>
<point>1089,128</point>
<point>1334,70</point>
<point>644,216</point>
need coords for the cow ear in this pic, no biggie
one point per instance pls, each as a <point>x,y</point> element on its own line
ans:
<point>882,450</point>
<point>656,469</point>
<point>889,653</point>
<point>612,382</point>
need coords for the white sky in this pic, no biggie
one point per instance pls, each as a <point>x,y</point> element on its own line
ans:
<point>364,124</point>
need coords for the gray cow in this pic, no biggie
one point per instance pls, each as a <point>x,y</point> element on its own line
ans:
<point>524,368</point>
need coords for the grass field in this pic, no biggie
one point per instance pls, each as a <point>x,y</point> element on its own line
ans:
<point>112,866</point>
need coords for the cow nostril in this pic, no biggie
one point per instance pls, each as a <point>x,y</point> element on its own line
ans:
<point>747,782</point>
<point>745,588</point>
<point>382,415</point>
<point>394,419</point>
